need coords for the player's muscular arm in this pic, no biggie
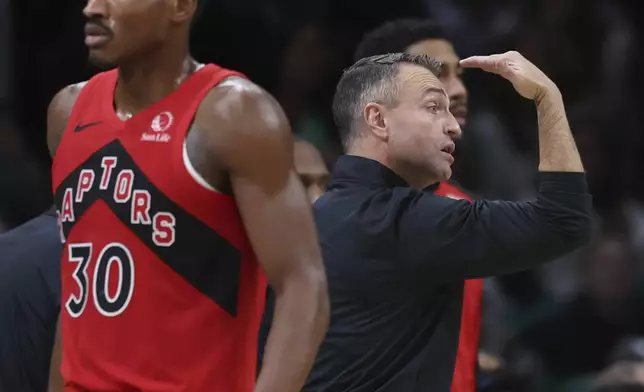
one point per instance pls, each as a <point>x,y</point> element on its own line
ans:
<point>254,145</point>
<point>60,108</point>
<point>58,112</point>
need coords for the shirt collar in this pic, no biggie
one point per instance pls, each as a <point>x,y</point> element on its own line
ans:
<point>351,170</point>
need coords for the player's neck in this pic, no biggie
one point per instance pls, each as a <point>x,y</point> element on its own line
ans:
<point>148,80</point>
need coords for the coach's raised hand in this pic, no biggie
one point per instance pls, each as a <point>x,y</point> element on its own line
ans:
<point>557,149</point>
<point>527,79</point>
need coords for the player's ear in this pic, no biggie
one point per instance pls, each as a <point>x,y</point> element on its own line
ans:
<point>183,10</point>
<point>375,117</point>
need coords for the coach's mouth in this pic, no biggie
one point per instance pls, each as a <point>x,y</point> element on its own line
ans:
<point>96,36</point>
<point>448,150</point>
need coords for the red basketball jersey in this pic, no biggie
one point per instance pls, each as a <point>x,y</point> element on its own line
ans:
<point>161,290</point>
<point>464,379</point>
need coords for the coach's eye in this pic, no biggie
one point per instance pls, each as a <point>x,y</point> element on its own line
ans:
<point>433,109</point>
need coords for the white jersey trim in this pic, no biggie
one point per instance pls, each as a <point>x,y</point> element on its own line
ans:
<point>193,172</point>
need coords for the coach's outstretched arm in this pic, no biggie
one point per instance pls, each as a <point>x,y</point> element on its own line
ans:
<point>254,145</point>
<point>445,239</point>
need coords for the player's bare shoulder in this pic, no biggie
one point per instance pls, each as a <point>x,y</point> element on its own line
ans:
<point>242,104</point>
<point>60,108</point>
<point>240,119</point>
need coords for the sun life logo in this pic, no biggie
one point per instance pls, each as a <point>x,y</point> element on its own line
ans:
<point>161,123</point>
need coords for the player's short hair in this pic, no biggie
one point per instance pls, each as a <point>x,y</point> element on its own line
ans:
<point>396,36</point>
<point>371,79</point>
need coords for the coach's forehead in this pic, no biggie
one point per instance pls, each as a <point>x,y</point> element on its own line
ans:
<point>418,79</point>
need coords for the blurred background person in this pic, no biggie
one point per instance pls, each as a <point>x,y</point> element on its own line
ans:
<point>310,166</point>
<point>576,338</point>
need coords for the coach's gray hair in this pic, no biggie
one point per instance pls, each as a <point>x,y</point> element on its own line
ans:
<point>371,79</point>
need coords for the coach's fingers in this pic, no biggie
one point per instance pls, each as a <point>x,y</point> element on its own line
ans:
<point>493,63</point>
<point>527,79</point>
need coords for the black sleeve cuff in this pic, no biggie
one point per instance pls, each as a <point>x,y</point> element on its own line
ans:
<point>565,182</point>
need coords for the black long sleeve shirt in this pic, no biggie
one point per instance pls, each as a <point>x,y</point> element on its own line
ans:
<point>396,259</point>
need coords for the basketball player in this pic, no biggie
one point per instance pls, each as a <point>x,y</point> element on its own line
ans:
<point>174,184</point>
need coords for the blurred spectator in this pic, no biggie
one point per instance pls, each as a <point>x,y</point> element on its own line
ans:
<point>578,337</point>
<point>311,168</point>
<point>303,87</point>
<point>24,189</point>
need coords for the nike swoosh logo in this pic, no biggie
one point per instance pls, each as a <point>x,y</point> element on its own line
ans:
<point>80,127</point>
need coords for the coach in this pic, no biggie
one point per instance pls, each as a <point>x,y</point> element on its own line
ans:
<point>396,254</point>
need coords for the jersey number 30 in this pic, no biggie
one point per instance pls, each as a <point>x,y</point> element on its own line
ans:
<point>114,255</point>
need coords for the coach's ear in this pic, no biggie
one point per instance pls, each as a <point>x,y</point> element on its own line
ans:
<point>374,116</point>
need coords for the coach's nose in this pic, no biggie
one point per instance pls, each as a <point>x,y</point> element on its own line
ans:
<point>452,128</point>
